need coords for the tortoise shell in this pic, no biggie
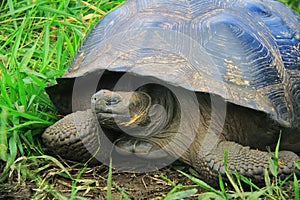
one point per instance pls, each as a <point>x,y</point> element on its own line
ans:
<point>246,51</point>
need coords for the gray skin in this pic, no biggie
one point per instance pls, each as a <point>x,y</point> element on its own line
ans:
<point>138,125</point>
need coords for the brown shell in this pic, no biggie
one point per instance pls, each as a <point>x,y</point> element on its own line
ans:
<point>247,51</point>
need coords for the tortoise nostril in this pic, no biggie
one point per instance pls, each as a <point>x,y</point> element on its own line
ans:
<point>113,101</point>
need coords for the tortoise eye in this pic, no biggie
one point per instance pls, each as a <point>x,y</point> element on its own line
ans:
<point>113,101</point>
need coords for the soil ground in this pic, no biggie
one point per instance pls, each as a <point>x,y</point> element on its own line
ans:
<point>93,185</point>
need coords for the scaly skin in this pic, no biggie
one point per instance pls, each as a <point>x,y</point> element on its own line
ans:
<point>67,136</point>
<point>247,162</point>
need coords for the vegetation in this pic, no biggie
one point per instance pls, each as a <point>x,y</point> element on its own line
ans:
<point>38,39</point>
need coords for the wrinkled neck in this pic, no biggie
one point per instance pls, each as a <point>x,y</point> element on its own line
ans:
<point>162,110</point>
<point>181,130</point>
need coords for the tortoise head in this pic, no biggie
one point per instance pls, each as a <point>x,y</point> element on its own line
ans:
<point>133,113</point>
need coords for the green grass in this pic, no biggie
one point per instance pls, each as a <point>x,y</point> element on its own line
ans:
<point>38,39</point>
<point>37,42</point>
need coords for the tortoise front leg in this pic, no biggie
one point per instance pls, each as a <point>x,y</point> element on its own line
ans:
<point>74,137</point>
<point>247,162</point>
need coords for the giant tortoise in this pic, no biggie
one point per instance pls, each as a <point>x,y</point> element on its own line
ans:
<point>200,81</point>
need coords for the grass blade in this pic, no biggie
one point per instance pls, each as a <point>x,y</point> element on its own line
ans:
<point>297,164</point>
<point>277,146</point>
<point>21,89</point>
<point>202,184</point>
<point>123,193</point>
<point>296,187</point>
<point>13,145</point>
<point>221,184</point>
<point>183,194</point>
<point>54,160</point>
<point>268,182</point>
<point>209,196</point>
<point>3,136</point>
<point>46,47</point>
<point>28,56</point>
<point>58,12</point>
<point>14,12</point>
<point>58,48</point>
<point>11,11</point>
<point>234,185</point>
<point>256,195</point>
<point>109,181</point>
<point>74,183</point>
<point>246,180</point>
<point>17,41</point>
<point>27,116</point>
